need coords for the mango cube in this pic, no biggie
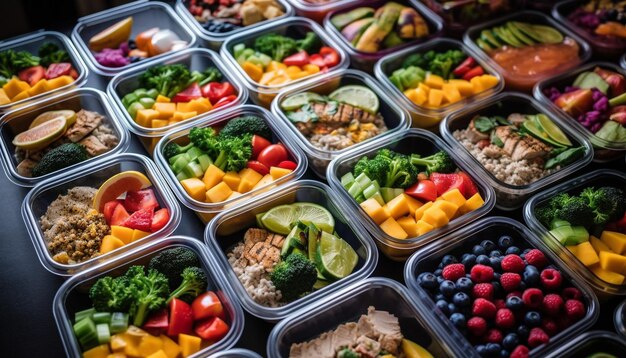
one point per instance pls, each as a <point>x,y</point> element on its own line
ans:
<point>195,188</point>
<point>212,176</point>
<point>409,225</point>
<point>611,261</point>
<point>423,227</point>
<point>398,206</point>
<point>123,233</point>
<point>615,240</point>
<point>218,193</point>
<point>607,276</point>
<point>232,179</point>
<point>393,229</point>
<point>375,211</point>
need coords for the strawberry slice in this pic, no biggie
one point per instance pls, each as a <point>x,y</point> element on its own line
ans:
<point>140,220</point>
<point>119,216</point>
<point>161,217</point>
<point>141,199</point>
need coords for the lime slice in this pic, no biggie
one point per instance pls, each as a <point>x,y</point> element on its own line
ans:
<point>317,215</point>
<point>335,258</point>
<point>279,219</point>
<point>357,96</point>
<point>552,130</point>
<point>298,100</point>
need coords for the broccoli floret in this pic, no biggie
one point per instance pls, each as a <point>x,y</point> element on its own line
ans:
<point>309,43</point>
<point>109,294</point>
<point>205,138</point>
<point>375,168</point>
<point>60,157</point>
<point>348,353</point>
<point>211,74</point>
<point>545,215</point>
<point>234,153</point>
<point>294,276</point>
<point>576,212</point>
<point>149,292</point>
<point>276,46</point>
<point>172,149</point>
<point>239,126</point>
<point>194,283</point>
<point>388,168</point>
<point>167,79</point>
<point>439,162</point>
<point>172,263</point>
<point>401,174</point>
<point>607,203</point>
<point>51,53</point>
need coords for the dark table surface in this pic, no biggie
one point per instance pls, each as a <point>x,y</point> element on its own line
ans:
<point>27,326</point>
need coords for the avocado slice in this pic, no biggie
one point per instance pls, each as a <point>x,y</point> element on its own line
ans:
<point>540,33</point>
<point>342,20</point>
<point>519,34</point>
<point>487,36</point>
<point>483,45</point>
<point>532,126</point>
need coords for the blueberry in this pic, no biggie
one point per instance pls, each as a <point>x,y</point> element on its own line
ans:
<point>458,320</point>
<point>452,308</point>
<point>439,297</point>
<point>493,348</point>
<point>488,245</point>
<point>440,266</point>
<point>495,253</point>
<point>510,341</point>
<point>513,250</point>
<point>505,241</point>
<point>504,353</point>
<point>496,276</point>
<point>514,303</point>
<point>478,250</point>
<point>522,286</point>
<point>483,260</point>
<point>440,279</point>
<point>464,284</point>
<point>447,288</point>
<point>496,263</point>
<point>427,280</point>
<point>438,272</point>
<point>531,276</point>
<point>443,307</point>
<point>481,350</point>
<point>448,260</point>
<point>532,319</point>
<point>461,299</point>
<point>523,332</point>
<point>526,251</point>
<point>468,260</point>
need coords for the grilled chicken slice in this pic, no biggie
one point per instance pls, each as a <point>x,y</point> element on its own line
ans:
<point>530,148</point>
<point>474,135</point>
<point>93,145</point>
<point>262,247</point>
<point>86,122</point>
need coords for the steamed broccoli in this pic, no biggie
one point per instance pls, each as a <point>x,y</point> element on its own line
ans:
<point>234,153</point>
<point>309,43</point>
<point>205,138</point>
<point>545,215</point>
<point>294,276</point>
<point>172,263</point>
<point>606,203</point>
<point>439,162</point>
<point>276,46</point>
<point>148,292</point>
<point>388,168</point>
<point>172,149</point>
<point>51,53</point>
<point>440,64</point>
<point>401,174</point>
<point>572,209</point>
<point>167,79</point>
<point>109,294</point>
<point>194,283</point>
<point>60,157</point>
<point>239,126</point>
<point>210,74</point>
<point>12,62</point>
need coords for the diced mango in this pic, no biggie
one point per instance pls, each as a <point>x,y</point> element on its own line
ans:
<point>298,75</point>
<point>110,243</point>
<point>144,117</point>
<point>434,81</point>
<point>165,109</point>
<point>149,344</point>
<point>615,240</point>
<point>218,193</point>
<point>118,342</point>
<point>477,85</point>
<point>420,211</point>
<point>292,69</point>
<point>435,98</point>
<point>200,105</point>
<point>473,203</point>
<point>117,355</point>
<point>451,93</point>
<point>454,196</point>
<point>40,87</point>
<point>162,99</point>
<point>275,66</point>
<point>598,245</point>
<point>266,179</point>
<point>607,276</point>
<point>398,206</point>
<point>249,178</point>
<point>158,354</point>
<point>435,217</point>
<point>393,229</point>
<point>375,211</point>
<point>170,347</point>
<point>416,95</point>
<point>311,68</point>
<point>181,116</point>
<point>15,86</point>
<point>423,227</point>
<point>464,87</point>
<point>611,261</point>
<point>138,234</point>
<point>268,76</point>
<point>182,107</point>
<point>123,233</point>
<point>573,249</point>
<point>253,71</point>
<point>586,254</point>
<point>409,225</point>
<point>195,188</point>
<point>279,80</point>
<point>20,96</point>
<point>232,179</point>
<point>100,351</point>
<point>189,344</point>
<point>60,82</point>
<point>212,176</point>
<point>449,208</point>
<point>277,172</point>
<point>413,204</point>
<point>4,99</point>
<point>159,123</point>
<point>488,81</point>
<point>423,87</point>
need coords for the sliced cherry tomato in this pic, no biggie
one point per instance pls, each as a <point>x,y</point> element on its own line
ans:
<point>109,209</point>
<point>423,190</point>
<point>273,155</point>
<point>160,218</point>
<point>465,66</point>
<point>288,164</point>
<point>476,71</point>
<point>258,144</point>
<point>58,69</point>
<point>299,59</point>
<point>317,60</point>
<point>189,93</point>
<point>447,182</point>
<point>119,215</point>
<point>212,329</point>
<point>74,73</point>
<point>331,57</point>
<point>32,75</point>
<point>215,91</point>
<point>140,199</point>
<point>157,322</point>
<point>181,318</point>
<point>258,167</point>
<point>468,184</point>
<point>207,305</point>
<point>224,101</point>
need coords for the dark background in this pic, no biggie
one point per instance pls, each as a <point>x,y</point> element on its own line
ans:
<point>27,327</point>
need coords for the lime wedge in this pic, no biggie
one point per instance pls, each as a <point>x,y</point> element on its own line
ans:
<point>317,215</point>
<point>357,96</point>
<point>279,218</point>
<point>335,258</point>
<point>300,99</point>
<point>552,130</point>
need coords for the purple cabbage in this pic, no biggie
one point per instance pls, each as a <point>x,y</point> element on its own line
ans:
<point>584,19</point>
<point>552,93</point>
<point>112,58</point>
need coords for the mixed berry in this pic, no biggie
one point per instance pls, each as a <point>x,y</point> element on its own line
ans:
<point>505,299</point>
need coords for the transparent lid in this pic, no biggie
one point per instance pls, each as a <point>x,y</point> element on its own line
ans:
<point>601,177</point>
<point>31,43</point>
<point>227,229</point>
<point>461,241</point>
<point>219,120</point>
<point>567,79</point>
<point>294,27</point>
<point>146,15</point>
<point>18,121</point>
<point>236,353</point>
<point>591,344</point>
<point>94,174</point>
<point>196,59</point>
<point>349,303</point>
<point>72,295</point>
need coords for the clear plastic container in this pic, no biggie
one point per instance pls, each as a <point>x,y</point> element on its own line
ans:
<point>236,353</point>
<point>365,60</point>
<point>509,196</point>
<point>17,121</point>
<point>462,241</point>
<point>412,141</point>
<point>227,229</point>
<point>316,10</point>
<point>72,296</point>
<point>526,83</point>
<point>589,344</point>
<point>214,40</point>
<point>295,27</point>
<point>423,117</point>
<point>416,320</point>
<point>39,198</point>
<point>619,320</point>
<point>196,59</point>
<point>146,15</point>
<point>601,177</point>
<point>623,61</point>
<point>396,118</point>
<point>206,211</point>
<point>603,46</point>
<point>604,150</point>
<point>31,43</point>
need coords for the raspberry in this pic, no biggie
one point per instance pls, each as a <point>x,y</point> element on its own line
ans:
<point>537,337</point>
<point>483,308</point>
<point>549,326</point>
<point>574,309</point>
<point>477,326</point>
<point>520,352</point>
<point>571,293</point>
<point>453,272</point>
<point>481,273</point>
<point>499,303</point>
<point>493,336</point>
<point>552,304</point>
<point>483,290</point>
<point>510,281</point>
<point>505,318</point>
<point>536,258</point>
<point>551,279</point>
<point>532,297</point>
<point>512,263</point>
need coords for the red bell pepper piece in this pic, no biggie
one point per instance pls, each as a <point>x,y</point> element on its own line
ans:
<point>212,329</point>
<point>317,60</point>
<point>465,66</point>
<point>476,71</point>
<point>224,101</point>
<point>157,322</point>
<point>189,93</point>
<point>331,57</point>
<point>424,190</point>
<point>181,318</point>
<point>207,305</point>
<point>299,59</point>
<point>447,182</point>
<point>215,91</point>
<point>469,187</point>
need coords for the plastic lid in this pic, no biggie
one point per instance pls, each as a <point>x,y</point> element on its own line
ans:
<point>589,343</point>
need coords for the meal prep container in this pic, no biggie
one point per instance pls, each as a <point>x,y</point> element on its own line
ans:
<point>317,9</point>
<point>146,15</point>
<point>508,196</point>
<point>196,59</point>
<point>412,141</point>
<point>428,258</point>
<point>602,47</point>
<point>623,61</point>
<point>73,294</point>
<point>589,343</point>
<point>227,229</point>
<point>395,117</point>
<point>214,40</point>
<point>263,95</point>
<point>351,302</point>
<point>207,211</point>
<point>31,43</point>
<point>604,150</point>
<point>18,120</point>
<point>39,198</point>
<point>620,319</point>
<point>524,83</point>
<point>365,60</point>
<point>601,177</point>
<point>424,117</point>
<point>235,353</point>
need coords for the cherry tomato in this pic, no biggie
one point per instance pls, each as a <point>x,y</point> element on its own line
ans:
<point>211,329</point>
<point>476,71</point>
<point>181,318</point>
<point>224,101</point>
<point>317,60</point>
<point>32,75</point>
<point>288,164</point>
<point>258,167</point>
<point>273,155</point>
<point>189,93</point>
<point>331,57</point>
<point>258,144</point>
<point>299,59</point>
<point>207,305</point>
<point>423,190</point>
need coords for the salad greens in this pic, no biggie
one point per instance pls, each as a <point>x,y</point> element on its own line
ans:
<point>438,63</point>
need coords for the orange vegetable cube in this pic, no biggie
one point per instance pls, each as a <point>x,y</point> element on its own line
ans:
<point>100,351</point>
<point>138,234</point>
<point>15,86</point>
<point>218,193</point>
<point>488,81</point>
<point>451,93</point>
<point>435,217</point>
<point>275,66</point>
<point>277,172</point>
<point>195,188</point>
<point>413,204</point>
<point>606,275</point>
<point>447,207</point>
<point>20,96</point>
<point>158,354</point>
<point>182,107</point>
<point>189,344</point>
<point>145,116</point>
<point>375,211</point>
<point>611,261</point>
<point>4,99</point>
<point>40,87</point>
<point>598,245</point>
<point>110,243</point>
<point>162,99</point>
<point>420,211</point>
<point>253,71</point>
<point>455,197</point>
<point>158,123</point>
<point>434,81</point>
<point>212,176</point>
<point>60,82</point>
<point>170,347</point>
<point>200,105</point>
<point>473,203</point>
<point>435,98</point>
<point>393,229</point>
<point>423,227</point>
<point>165,109</point>
<point>123,233</point>
<point>181,116</point>
<point>249,178</point>
<point>398,206</point>
<point>464,87</point>
<point>409,225</point>
<point>232,179</point>
<point>615,240</point>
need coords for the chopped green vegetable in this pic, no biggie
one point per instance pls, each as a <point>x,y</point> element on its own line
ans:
<point>210,74</point>
<point>167,79</point>
<point>172,263</point>
<point>119,322</point>
<point>438,63</point>
<point>194,283</point>
<point>148,292</point>
<point>51,53</point>
<point>486,124</point>
<point>439,162</point>
<point>276,46</point>
<point>86,333</point>
<point>309,43</point>
<point>246,125</point>
<point>388,168</point>
<point>294,276</point>
<point>563,156</point>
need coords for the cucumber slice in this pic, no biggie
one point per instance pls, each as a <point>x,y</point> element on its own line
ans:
<point>483,45</point>
<point>193,170</point>
<point>370,191</point>
<point>487,36</point>
<point>181,176</point>
<point>355,190</point>
<point>292,241</point>
<point>194,153</point>
<point>518,34</point>
<point>298,100</point>
<point>238,49</point>
<point>104,335</point>
<point>119,322</point>
<point>388,194</point>
<point>180,163</point>
<point>540,33</point>
<point>80,315</point>
<point>205,161</point>
<point>363,180</point>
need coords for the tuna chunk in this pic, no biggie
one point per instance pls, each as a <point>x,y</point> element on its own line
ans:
<point>86,122</point>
